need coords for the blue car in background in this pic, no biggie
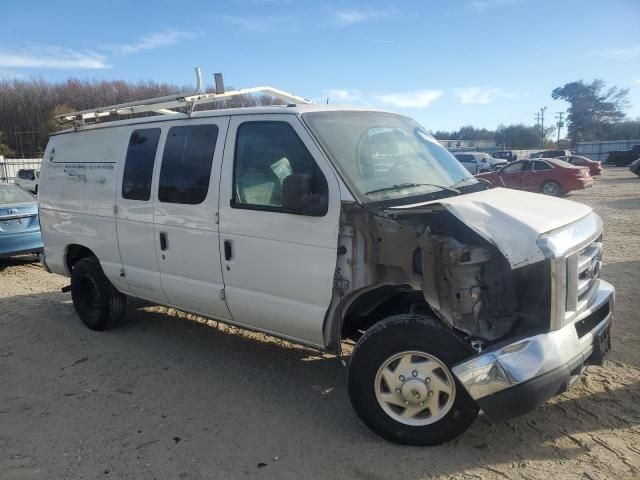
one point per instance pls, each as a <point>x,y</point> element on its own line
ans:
<point>19,223</point>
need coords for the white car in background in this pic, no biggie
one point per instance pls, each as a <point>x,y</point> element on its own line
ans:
<point>479,162</point>
<point>28,179</point>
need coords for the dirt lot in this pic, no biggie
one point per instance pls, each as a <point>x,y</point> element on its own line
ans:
<point>166,397</point>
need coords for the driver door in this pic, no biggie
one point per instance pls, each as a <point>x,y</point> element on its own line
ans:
<point>278,266</point>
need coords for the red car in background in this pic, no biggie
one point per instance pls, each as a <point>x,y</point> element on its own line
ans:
<point>594,167</point>
<point>546,175</point>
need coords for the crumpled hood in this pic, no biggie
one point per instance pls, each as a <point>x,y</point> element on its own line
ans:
<point>512,220</point>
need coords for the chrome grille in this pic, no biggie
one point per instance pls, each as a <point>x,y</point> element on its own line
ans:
<point>583,271</point>
<point>575,253</point>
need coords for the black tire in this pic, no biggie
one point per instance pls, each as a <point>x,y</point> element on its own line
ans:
<point>551,184</point>
<point>402,333</point>
<point>96,301</point>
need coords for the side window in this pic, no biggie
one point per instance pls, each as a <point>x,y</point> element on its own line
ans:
<point>274,171</point>
<point>513,168</point>
<point>541,166</point>
<point>186,164</point>
<point>138,164</point>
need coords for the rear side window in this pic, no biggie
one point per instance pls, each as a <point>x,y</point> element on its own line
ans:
<point>186,164</point>
<point>13,194</point>
<point>138,165</point>
<point>513,168</point>
<point>541,166</point>
<point>266,154</point>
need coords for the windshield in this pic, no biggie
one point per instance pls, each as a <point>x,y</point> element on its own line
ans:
<point>13,194</point>
<point>384,156</point>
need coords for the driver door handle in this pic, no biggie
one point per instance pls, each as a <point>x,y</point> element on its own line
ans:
<point>163,241</point>
<point>228,253</point>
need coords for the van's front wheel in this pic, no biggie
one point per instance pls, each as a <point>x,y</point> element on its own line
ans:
<point>96,301</point>
<point>401,385</point>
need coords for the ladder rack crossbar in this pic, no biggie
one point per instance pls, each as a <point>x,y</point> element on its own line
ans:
<point>164,105</point>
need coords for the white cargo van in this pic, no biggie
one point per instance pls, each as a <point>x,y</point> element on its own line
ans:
<point>322,225</point>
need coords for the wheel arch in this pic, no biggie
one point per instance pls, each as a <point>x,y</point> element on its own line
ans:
<point>75,252</point>
<point>366,307</point>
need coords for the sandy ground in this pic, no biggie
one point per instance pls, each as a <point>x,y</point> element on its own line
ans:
<point>166,397</point>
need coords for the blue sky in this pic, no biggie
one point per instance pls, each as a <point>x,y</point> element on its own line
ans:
<point>445,63</point>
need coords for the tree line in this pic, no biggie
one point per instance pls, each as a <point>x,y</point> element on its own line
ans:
<point>27,108</point>
<point>595,113</point>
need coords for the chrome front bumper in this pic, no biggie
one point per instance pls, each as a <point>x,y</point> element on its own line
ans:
<point>528,359</point>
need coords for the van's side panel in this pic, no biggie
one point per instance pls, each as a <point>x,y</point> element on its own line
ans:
<point>136,234</point>
<point>77,192</point>
<point>190,270</point>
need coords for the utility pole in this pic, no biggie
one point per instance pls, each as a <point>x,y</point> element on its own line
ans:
<point>542,110</point>
<point>560,124</point>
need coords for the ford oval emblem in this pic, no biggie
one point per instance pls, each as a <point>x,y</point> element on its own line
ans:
<point>11,211</point>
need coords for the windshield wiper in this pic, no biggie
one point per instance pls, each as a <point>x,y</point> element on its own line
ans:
<point>409,185</point>
<point>463,181</point>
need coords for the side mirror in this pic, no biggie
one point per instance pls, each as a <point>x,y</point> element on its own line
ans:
<point>297,196</point>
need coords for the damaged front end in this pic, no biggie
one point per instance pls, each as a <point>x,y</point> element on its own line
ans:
<point>463,278</point>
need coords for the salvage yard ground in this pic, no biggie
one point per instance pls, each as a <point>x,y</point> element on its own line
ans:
<point>169,397</point>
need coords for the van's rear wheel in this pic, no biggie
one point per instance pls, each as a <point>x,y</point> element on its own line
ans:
<point>401,385</point>
<point>96,301</point>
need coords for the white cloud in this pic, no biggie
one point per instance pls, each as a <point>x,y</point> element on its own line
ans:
<point>481,6</point>
<point>623,53</point>
<point>261,24</point>
<point>346,96</point>
<point>480,95</point>
<point>11,75</point>
<point>345,18</point>
<point>638,81</point>
<point>155,40</point>
<point>52,57</point>
<point>342,96</point>
<point>417,99</point>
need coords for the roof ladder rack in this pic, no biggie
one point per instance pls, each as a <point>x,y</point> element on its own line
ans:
<point>164,105</point>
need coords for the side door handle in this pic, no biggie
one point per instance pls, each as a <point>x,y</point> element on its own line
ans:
<point>163,241</point>
<point>227,250</point>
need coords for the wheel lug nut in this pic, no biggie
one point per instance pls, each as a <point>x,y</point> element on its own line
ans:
<point>402,378</point>
<point>421,404</point>
<point>406,403</point>
<point>414,373</point>
<point>427,380</point>
<point>397,390</point>
<point>430,394</point>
